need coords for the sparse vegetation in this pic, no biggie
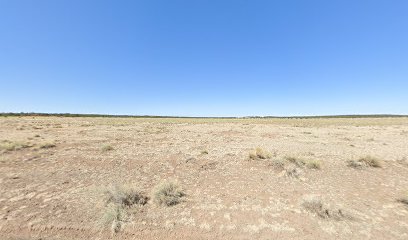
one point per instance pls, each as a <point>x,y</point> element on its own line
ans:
<point>240,194</point>
<point>277,163</point>
<point>125,196</point>
<point>315,205</point>
<point>371,161</point>
<point>106,148</point>
<point>168,193</point>
<point>46,145</point>
<point>295,164</point>
<point>118,200</point>
<point>293,171</point>
<point>114,216</point>
<point>259,153</point>
<point>367,161</point>
<point>204,152</point>
<point>355,164</point>
<point>12,146</point>
<point>313,164</point>
<point>297,161</point>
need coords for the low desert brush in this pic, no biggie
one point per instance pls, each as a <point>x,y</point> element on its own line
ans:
<point>12,146</point>
<point>114,216</point>
<point>315,205</point>
<point>118,200</point>
<point>168,194</point>
<point>46,145</point>
<point>297,161</point>
<point>125,196</point>
<point>106,148</point>
<point>277,163</point>
<point>371,161</point>
<point>204,152</point>
<point>367,161</point>
<point>259,153</point>
<point>293,172</point>
<point>313,164</point>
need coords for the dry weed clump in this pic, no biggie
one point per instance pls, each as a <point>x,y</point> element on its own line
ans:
<point>293,172</point>
<point>114,216</point>
<point>8,146</point>
<point>277,163</point>
<point>367,161</point>
<point>106,148</point>
<point>315,205</point>
<point>204,152</point>
<point>46,145</point>
<point>299,162</point>
<point>313,164</point>
<point>125,196</point>
<point>259,153</point>
<point>404,200</point>
<point>168,194</point>
<point>118,200</point>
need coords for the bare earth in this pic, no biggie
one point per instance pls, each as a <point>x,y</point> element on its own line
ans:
<point>54,192</point>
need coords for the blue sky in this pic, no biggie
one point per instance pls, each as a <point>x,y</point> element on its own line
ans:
<point>204,58</point>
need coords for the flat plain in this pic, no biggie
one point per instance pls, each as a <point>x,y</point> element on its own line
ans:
<point>323,178</point>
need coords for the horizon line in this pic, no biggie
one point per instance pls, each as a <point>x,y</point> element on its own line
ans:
<point>33,114</point>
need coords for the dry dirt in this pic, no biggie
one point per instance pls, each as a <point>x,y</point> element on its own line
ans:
<point>55,192</point>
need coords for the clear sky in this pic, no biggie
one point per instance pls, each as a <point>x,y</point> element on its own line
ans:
<point>204,58</point>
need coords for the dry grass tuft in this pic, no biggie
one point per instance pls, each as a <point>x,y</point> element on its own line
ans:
<point>114,216</point>
<point>314,164</point>
<point>168,193</point>
<point>118,200</point>
<point>371,161</point>
<point>297,161</point>
<point>12,146</point>
<point>315,205</point>
<point>106,148</point>
<point>204,152</point>
<point>295,164</point>
<point>46,145</point>
<point>293,172</point>
<point>367,161</point>
<point>277,163</point>
<point>125,196</point>
<point>259,153</point>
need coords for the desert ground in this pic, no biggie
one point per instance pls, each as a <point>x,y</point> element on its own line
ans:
<point>233,178</point>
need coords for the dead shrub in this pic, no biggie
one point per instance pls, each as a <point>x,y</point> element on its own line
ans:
<point>118,200</point>
<point>315,205</point>
<point>168,193</point>
<point>367,161</point>
<point>293,172</point>
<point>125,196</point>
<point>297,161</point>
<point>259,153</point>
<point>46,145</point>
<point>371,161</point>
<point>313,164</point>
<point>8,146</point>
<point>106,148</point>
<point>114,216</point>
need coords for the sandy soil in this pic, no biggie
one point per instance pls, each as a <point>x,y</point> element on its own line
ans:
<point>55,192</point>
